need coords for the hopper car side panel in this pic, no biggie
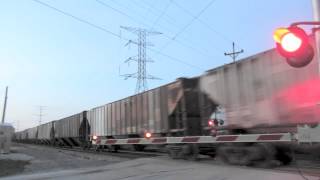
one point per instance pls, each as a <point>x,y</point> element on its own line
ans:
<point>250,90</point>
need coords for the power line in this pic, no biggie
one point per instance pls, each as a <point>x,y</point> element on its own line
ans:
<point>120,12</point>
<point>190,22</point>
<point>105,30</point>
<point>169,19</point>
<point>161,15</point>
<point>201,51</point>
<point>194,18</point>
<point>205,24</point>
<point>166,17</point>
<point>126,7</point>
<point>78,19</point>
<point>176,59</point>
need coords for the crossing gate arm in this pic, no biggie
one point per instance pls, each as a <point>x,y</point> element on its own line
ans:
<point>277,137</point>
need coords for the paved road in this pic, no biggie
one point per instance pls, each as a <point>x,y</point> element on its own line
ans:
<point>165,169</point>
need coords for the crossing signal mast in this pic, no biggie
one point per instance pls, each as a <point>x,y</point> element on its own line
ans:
<point>293,43</point>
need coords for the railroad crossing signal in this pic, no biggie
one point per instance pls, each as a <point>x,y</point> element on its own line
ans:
<point>293,44</point>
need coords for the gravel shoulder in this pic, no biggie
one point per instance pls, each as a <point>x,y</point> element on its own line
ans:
<point>29,159</point>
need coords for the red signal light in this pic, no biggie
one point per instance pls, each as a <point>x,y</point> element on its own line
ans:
<point>293,44</point>
<point>290,42</point>
<point>213,122</point>
<point>148,135</point>
<point>210,122</point>
<point>94,137</point>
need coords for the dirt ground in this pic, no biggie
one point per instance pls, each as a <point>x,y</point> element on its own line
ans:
<point>10,167</point>
<point>162,168</point>
<point>29,159</point>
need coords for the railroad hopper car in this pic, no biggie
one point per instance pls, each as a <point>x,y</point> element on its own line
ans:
<point>169,110</point>
<point>24,135</point>
<point>262,94</point>
<point>32,135</point>
<point>46,133</point>
<point>72,130</point>
<point>17,136</point>
<point>264,91</point>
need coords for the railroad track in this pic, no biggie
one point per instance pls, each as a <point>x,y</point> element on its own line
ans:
<point>121,153</point>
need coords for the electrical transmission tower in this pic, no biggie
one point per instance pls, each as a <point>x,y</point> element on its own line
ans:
<point>234,54</point>
<point>41,108</point>
<point>141,75</point>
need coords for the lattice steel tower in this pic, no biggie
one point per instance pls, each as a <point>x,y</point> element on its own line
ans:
<point>141,75</point>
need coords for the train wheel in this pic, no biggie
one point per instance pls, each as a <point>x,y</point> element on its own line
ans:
<point>113,148</point>
<point>138,147</point>
<point>187,151</point>
<point>262,155</point>
<point>174,151</point>
<point>96,148</point>
<point>284,156</point>
<point>190,152</point>
<point>235,155</point>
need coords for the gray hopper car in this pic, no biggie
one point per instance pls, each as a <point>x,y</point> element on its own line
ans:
<point>24,135</point>
<point>72,130</point>
<point>32,134</point>
<point>263,91</point>
<point>171,109</point>
<point>46,133</point>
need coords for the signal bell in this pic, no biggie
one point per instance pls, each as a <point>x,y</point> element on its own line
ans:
<point>293,44</point>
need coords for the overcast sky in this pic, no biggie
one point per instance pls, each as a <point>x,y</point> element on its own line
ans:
<point>48,58</point>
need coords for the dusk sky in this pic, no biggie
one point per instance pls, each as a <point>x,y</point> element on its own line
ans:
<point>48,58</point>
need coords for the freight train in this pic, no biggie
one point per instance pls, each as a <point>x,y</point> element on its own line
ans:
<point>257,109</point>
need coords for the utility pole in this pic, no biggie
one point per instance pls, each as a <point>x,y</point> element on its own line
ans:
<point>5,105</point>
<point>141,74</point>
<point>234,54</point>
<point>316,17</point>
<point>18,125</point>
<point>41,109</point>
